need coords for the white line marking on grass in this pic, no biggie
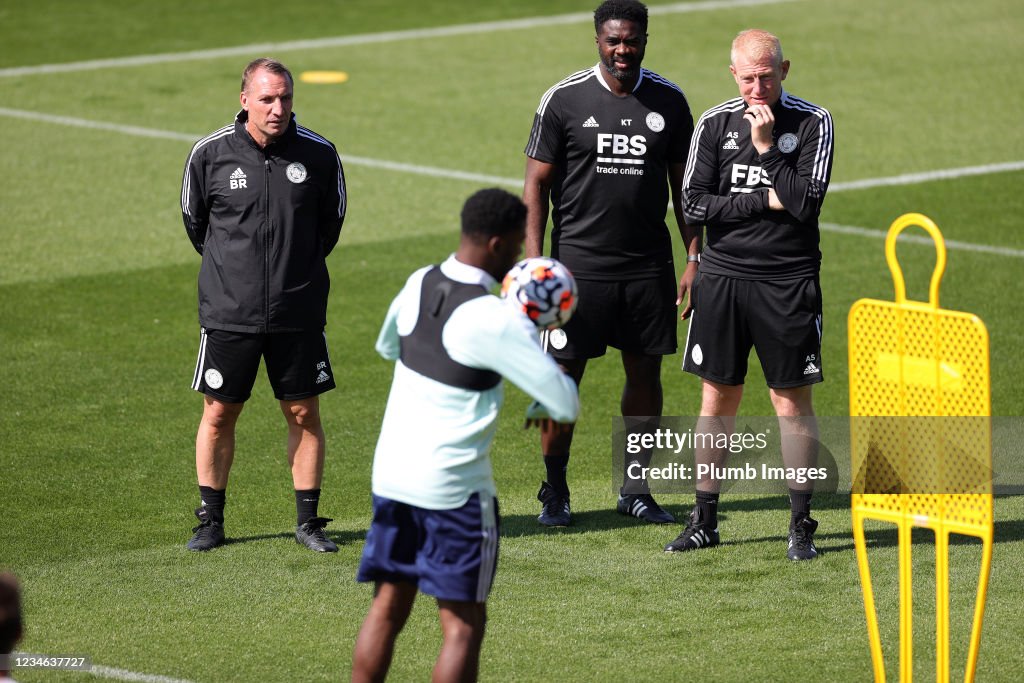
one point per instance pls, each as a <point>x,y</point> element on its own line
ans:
<point>366,38</point>
<point>915,178</point>
<point>430,171</point>
<point>139,131</point>
<point>125,675</point>
<point>954,245</point>
<point>98,125</point>
<point>433,172</point>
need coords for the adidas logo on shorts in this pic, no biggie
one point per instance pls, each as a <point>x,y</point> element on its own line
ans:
<point>322,377</point>
<point>811,369</point>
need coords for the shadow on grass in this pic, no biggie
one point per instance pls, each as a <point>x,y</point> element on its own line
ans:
<point>583,521</point>
<point>820,501</point>
<point>1007,531</point>
<point>339,537</point>
<point>516,526</point>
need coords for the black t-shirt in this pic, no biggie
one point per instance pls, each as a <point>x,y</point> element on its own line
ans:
<point>610,193</point>
<point>726,189</point>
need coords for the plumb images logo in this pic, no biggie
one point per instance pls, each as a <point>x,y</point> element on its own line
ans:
<point>712,472</point>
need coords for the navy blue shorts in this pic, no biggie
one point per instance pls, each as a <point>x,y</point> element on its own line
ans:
<point>450,554</point>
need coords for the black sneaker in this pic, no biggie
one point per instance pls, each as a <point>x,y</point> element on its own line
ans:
<point>696,534</point>
<point>555,510</point>
<point>801,539</point>
<point>311,534</point>
<point>208,535</point>
<point>643,506</point>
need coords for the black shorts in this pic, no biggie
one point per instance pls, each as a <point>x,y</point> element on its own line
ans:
<point>781,319</point>
<point>297,364</point>
<point>630,315</point>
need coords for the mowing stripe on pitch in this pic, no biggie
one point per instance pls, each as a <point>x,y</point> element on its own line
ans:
<point>367,38</point>
<point>433,172</point>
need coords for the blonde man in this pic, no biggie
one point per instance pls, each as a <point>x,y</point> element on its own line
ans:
<point>756,177</point>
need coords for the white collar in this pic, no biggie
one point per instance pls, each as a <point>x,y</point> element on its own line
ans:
<point>463,272</point>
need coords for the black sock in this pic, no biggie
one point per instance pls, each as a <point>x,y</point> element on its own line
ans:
<point>707,503</point>
<point>213,501</point>
<point>556,466</point>
<point>639,462</point>
<point>635,487</point>
<point>640,429</point>
<point>799,504</point>
<point>306,503</point>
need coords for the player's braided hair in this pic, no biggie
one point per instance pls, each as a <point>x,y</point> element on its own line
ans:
<point>630,10</point>
<point>267,64</point>
<point>491,213</point>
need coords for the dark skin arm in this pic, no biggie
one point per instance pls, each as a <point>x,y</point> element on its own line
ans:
<point>536,196</point>
<point>536,416</point>
<point>689,233</point>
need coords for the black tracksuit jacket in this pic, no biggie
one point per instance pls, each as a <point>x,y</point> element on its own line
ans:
<point>726,190</point>
<point>264,221</point>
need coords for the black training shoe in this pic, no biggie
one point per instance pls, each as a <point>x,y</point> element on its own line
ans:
<point>801,539</point>
<point>555,510</point>
<point>311,534</point>
<point>208,535</point>
<point>643,506</point>
<point>696,534</point>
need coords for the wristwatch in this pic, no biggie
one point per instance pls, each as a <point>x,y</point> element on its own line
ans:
<point>693,258</point>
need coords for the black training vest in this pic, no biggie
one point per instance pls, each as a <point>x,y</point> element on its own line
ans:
<point>422,349</point>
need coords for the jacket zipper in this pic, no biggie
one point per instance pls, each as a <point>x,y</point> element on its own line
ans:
<point>266,246</point>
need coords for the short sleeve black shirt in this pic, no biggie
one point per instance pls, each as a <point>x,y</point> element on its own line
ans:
<point>610,194</point>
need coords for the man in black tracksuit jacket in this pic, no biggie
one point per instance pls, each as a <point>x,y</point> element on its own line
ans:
<point>756,177</point>
<point>263,202</point>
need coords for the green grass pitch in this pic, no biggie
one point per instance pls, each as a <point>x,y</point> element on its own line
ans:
<point>98,337</point>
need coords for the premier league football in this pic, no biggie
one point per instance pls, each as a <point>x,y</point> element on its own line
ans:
<point>544,289</point>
